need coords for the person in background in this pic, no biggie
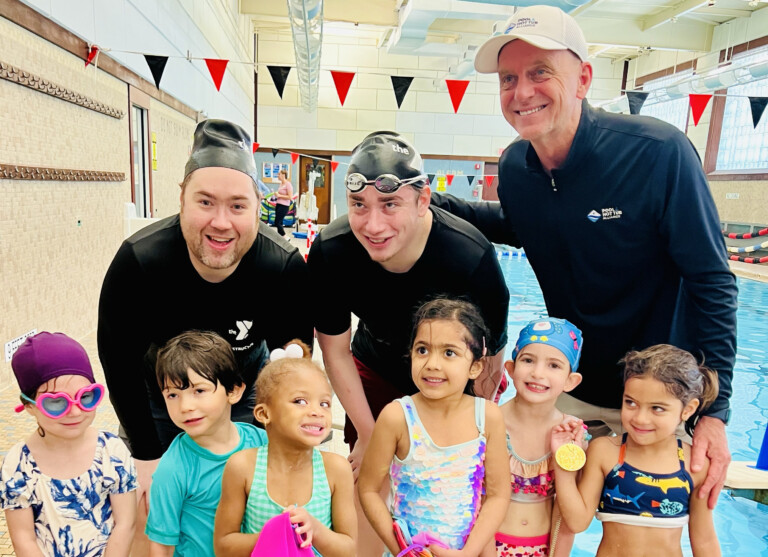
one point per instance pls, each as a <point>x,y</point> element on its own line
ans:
<point>617,220</point>
<point>200,270</point>
<point>283,199</point>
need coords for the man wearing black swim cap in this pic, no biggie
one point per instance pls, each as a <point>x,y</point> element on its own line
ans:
<point>200,269</point>
<point>391,252</point>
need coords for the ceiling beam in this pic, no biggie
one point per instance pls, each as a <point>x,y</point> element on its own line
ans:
<point>675,11</point>
<point>370,12</point>
<point>689,35</point>
<point>724,12</point>
<point>584,7</point>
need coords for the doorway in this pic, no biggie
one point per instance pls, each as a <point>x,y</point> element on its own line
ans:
<point>490,190</point>
<point>318,173</point>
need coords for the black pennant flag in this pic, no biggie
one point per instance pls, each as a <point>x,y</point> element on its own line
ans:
<point>400,84</point>
<point>279,75</point>
<point>156,66</point>
<point>636,100</point>
<point>758,106</point>
<point>274,153</point>
<point>430,177</point>
<point>470,179</point>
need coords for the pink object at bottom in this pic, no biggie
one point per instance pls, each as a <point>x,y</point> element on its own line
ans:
<point>278,537</point>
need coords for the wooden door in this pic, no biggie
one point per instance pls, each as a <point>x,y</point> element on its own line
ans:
<point>490,192</point>
<point>320,172</point>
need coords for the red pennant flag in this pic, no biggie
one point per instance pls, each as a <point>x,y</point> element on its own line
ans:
<point>294,157</point>
<point>255,147</point>
<point>456,88</point>
<point>698,104</point>
<point>91,55</point>
<point>342,80</point>
<point>216,67</point>
<point>488,180</point>
<point>449,177</point>
<point>334,165</point>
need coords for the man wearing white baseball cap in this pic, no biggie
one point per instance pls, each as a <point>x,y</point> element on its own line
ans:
<point>617,220</point>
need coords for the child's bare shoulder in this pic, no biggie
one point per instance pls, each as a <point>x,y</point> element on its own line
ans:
<point>698,477</point>
<point>604,446</point>
<point>243,460</point>
<point>392,414</point>
<point>336,465</point>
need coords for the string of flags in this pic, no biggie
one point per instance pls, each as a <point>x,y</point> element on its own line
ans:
<point>400,84</point>
<point>439,179</point>
<point>698,102</point>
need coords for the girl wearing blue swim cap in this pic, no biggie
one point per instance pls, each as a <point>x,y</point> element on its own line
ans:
<point>543,365</point>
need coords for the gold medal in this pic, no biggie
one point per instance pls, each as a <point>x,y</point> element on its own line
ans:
<point>570,457</point>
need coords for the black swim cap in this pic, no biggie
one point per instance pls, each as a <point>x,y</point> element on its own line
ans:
<point>385,152</point>
<point>220,143</point>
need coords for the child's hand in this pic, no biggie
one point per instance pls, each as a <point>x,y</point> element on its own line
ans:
<point>566,432</point>
<point>301,521</point>
<point>438,551</point>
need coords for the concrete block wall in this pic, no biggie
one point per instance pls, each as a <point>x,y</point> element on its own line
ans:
<point>57,238</point>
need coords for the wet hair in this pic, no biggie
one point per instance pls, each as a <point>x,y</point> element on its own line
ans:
<point>682,375</point>
<point>275,372</point>
<point>467,315</point>
<point>205,353</point>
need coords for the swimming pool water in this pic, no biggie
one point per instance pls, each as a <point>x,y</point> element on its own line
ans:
<point>741,524</point>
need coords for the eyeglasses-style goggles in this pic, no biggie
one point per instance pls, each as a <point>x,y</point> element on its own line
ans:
<point>386,183</point>
<point>57,405</point>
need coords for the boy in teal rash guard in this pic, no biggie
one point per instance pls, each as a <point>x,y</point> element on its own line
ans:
<point>198,376</point>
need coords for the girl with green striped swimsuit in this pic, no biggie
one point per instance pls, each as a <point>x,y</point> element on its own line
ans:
<point>289,474</point>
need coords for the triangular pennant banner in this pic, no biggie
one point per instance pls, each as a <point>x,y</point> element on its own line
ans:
<point>430,178</point>
<point>400,84</point>
<point>488,180</point>
<point>449,177</point>
<point>294,157</point>
<point>255,146</point>
<point>342,80</point>
<point>456,88</point>
<point>91,55</point>
<point>636,100</point>
<point>334,165</point>
<point>274,152</point>
<point>216,67</point>
<point>156,66</point>
<point>470,179</point>
<point>758,106</point>
<point>698,104</point>
<point>279,76</point>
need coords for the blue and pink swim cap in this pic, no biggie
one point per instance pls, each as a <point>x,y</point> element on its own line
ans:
<point>560,333</point>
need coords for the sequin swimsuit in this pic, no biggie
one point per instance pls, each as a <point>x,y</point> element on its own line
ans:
<point>638,498</point>
<point>533,481</point>
<point>438,489</point>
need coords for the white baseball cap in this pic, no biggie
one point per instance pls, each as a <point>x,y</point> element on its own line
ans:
<point>545,27</point>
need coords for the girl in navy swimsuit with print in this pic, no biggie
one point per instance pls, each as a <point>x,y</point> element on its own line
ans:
<point>640,483</point>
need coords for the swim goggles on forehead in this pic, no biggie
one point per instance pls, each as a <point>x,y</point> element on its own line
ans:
<point>57,405</point>
<point>386,183</point>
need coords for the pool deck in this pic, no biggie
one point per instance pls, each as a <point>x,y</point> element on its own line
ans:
<point>750,270</point>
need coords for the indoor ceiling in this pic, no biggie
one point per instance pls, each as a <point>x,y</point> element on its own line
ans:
<point>615,29</point>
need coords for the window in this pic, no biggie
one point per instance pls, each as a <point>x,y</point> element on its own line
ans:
<point>742,146</point>
<point>671,110</point>
<point>139,144</point>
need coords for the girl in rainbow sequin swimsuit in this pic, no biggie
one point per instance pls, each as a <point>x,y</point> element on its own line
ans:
<point>543,365</point>
<point>640,482</point>
<point>443,449</point>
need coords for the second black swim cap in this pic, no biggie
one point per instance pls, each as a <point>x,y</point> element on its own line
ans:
<point>385,152</point>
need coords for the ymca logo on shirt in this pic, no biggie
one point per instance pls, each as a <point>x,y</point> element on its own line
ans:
<point>243,328</point>
<point>605,214</point>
